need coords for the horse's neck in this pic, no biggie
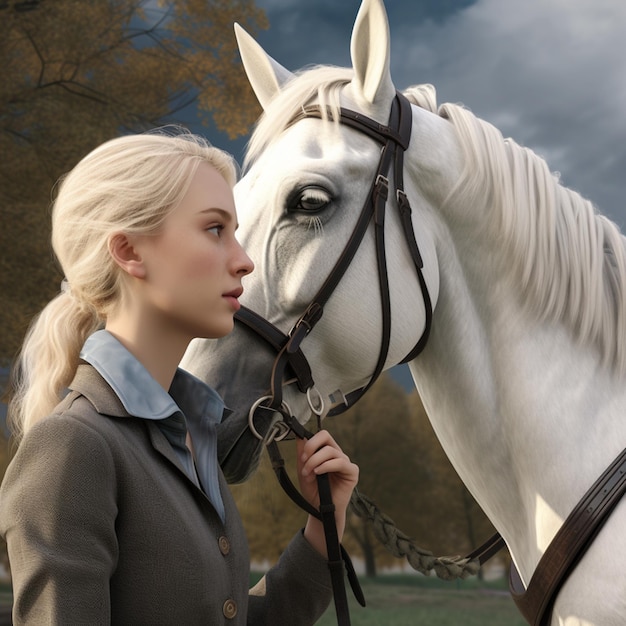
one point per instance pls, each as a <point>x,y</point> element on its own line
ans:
<point>527,417</point>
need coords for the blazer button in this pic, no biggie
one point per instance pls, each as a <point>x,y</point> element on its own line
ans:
<point>224,545</point>
<point>229,609</point>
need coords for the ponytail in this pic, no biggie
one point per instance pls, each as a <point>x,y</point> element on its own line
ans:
<point>48,360</point>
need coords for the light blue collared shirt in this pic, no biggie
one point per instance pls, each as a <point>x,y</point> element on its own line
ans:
<point>190,403</point>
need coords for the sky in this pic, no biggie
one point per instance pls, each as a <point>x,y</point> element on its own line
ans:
<point>551,74</point>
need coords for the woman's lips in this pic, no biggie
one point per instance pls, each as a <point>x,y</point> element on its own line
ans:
<point>233,298</point>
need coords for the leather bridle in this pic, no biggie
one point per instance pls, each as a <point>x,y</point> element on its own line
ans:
<point>394,139</point>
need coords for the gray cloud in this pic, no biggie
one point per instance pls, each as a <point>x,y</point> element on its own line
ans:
<point>550,75</point>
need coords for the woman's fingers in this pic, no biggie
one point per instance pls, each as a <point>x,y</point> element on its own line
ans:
<point>324,460</point>
<point>321,454</point>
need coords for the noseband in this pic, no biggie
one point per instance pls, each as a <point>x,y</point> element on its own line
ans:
<point>394,139</point>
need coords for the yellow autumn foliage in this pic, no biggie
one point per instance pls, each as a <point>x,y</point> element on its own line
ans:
<point>78,72</point>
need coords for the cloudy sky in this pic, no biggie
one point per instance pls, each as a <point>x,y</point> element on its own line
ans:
<point>551,74</point>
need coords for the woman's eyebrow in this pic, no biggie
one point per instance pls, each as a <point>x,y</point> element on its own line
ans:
<point>226,215</point>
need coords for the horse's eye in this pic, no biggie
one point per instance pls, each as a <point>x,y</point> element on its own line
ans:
<point>310,200</point>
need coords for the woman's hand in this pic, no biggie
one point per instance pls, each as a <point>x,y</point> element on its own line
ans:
<point>322,455</point>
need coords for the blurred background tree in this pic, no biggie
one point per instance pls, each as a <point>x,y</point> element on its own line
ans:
<point>378,435</point>
<point>270,518</point>
<point>78,72</point>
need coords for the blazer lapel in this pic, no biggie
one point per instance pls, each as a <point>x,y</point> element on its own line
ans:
<point>162,445</point>
<point>90,384</point>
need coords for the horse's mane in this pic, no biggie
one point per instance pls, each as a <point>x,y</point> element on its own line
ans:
<point>571,260</point>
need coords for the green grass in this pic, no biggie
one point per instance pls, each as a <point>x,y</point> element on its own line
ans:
<point>415,600</point>
<point>6,596</point>
<point>410,600</point>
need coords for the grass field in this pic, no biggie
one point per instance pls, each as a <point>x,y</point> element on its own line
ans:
<point>409,600</point>
<point>415,600</point>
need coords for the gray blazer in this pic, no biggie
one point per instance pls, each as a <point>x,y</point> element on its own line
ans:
<point>103,526</point>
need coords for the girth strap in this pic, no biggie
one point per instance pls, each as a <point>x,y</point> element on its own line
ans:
<point>569,545</point>
<point>566,549</point>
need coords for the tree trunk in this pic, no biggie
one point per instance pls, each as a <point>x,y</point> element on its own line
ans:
<point>368,553</point>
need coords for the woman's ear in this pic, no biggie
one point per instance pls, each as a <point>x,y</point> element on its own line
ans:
<point>125,254</point>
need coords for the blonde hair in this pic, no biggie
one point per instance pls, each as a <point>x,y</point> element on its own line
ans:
<point>128,184</point>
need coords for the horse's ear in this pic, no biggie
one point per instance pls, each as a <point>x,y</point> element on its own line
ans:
<point>370,53</point>
<point>266,76</point>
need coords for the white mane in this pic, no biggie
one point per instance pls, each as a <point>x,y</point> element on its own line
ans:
<point>321,84</point>
<point>571,261</point>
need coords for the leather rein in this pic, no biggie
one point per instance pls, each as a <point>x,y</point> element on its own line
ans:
<point>580,528</point>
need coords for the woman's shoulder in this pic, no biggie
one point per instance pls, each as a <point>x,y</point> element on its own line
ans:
<point>74,423</point>
<point>64,447</point>
<point>77,424</point>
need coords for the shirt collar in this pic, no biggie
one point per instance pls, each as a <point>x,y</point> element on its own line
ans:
<point>141,395</point>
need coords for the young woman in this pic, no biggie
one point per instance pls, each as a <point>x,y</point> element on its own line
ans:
<point>114,508</point>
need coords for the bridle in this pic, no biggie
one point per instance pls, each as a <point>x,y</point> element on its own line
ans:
<point>394,139</point>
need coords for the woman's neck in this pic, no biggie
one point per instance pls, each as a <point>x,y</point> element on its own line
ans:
<point>159,352</point>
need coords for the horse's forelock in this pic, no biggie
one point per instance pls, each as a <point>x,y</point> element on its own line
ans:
<point>321,84</point>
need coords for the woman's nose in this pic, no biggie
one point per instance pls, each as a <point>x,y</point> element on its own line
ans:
<point>245,265</point>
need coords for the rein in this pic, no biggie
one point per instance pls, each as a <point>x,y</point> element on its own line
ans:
<point>338,558</point>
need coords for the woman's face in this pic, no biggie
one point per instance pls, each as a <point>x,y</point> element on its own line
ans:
<point>194,265</point>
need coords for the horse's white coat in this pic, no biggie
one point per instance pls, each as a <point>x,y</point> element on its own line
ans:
<point>523,381</point>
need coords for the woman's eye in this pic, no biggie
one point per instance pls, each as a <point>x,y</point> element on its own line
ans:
<point>310,200</point>
<point>215,229</point>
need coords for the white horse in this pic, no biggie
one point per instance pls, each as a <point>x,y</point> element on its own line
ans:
<point>523,376</point>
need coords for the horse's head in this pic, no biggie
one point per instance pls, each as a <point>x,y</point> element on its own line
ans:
<point>299,204</point>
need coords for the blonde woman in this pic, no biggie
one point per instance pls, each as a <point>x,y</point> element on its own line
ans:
<point>114,508</point>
